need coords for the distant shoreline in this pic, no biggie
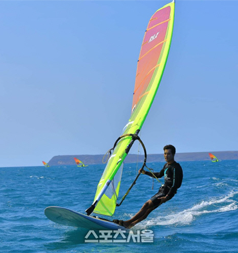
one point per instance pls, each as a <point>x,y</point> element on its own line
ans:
<point>133,158</point>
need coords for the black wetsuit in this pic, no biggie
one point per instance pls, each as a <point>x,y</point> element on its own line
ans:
<point>173,177</point>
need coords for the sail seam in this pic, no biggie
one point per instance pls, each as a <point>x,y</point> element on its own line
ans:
<point>167,20</point>
<point>152,49</point>
<point>146,77</point>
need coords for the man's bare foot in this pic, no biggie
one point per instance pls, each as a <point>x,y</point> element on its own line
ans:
<point>127,224</point>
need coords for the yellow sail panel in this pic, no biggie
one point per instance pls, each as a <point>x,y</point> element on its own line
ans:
<point>150,67</point>
<point>107,203</point>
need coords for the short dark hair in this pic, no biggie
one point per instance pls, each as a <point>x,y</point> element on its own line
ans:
<point>171,147</point>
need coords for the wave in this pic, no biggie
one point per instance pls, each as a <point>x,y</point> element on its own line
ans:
<point>185,217</point>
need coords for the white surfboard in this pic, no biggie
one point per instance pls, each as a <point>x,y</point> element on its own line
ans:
<point>68,217</point>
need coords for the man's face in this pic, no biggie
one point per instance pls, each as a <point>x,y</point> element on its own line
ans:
<point>168,156</point>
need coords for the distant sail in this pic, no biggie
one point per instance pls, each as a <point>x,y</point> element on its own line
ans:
<point>45,164</point>
<point>213,158</point>
<point>79,163</point>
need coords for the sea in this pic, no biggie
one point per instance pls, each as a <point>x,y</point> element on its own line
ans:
<point>202,216</point>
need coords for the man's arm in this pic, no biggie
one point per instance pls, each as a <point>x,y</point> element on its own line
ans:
<point>156,174</point>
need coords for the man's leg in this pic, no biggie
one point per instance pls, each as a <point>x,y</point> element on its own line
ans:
<point>141,215</point>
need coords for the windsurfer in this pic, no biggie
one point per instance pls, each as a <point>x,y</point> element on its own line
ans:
<point>173,176</point>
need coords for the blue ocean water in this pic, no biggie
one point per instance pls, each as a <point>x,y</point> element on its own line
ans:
<point>202,217</point>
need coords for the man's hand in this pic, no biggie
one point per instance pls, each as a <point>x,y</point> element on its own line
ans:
<point>163,199</point>
<point>141,171</point>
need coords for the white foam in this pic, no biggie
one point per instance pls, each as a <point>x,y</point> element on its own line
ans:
<point>37,177</point>
<point>187,216</point>
<point>221,184</point>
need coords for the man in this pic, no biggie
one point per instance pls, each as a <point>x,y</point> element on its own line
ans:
<point>173,176</point>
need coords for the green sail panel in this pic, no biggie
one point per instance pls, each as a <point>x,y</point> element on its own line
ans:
<point>150,67</point>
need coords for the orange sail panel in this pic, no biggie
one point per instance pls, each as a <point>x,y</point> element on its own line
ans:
<point>45,164</point>
<point>152,46</point>
<point>77,161</point>
<point>213,158</point>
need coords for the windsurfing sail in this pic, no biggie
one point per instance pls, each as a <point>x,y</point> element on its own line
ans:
<point>150,67</point>
<point>213,158</point>
<point>45,164</point>
<point>79,163</point>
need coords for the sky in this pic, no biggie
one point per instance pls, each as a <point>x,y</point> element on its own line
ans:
<point>67,74</point>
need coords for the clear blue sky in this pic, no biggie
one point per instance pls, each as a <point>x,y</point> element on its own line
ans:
<point>67,73</point>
